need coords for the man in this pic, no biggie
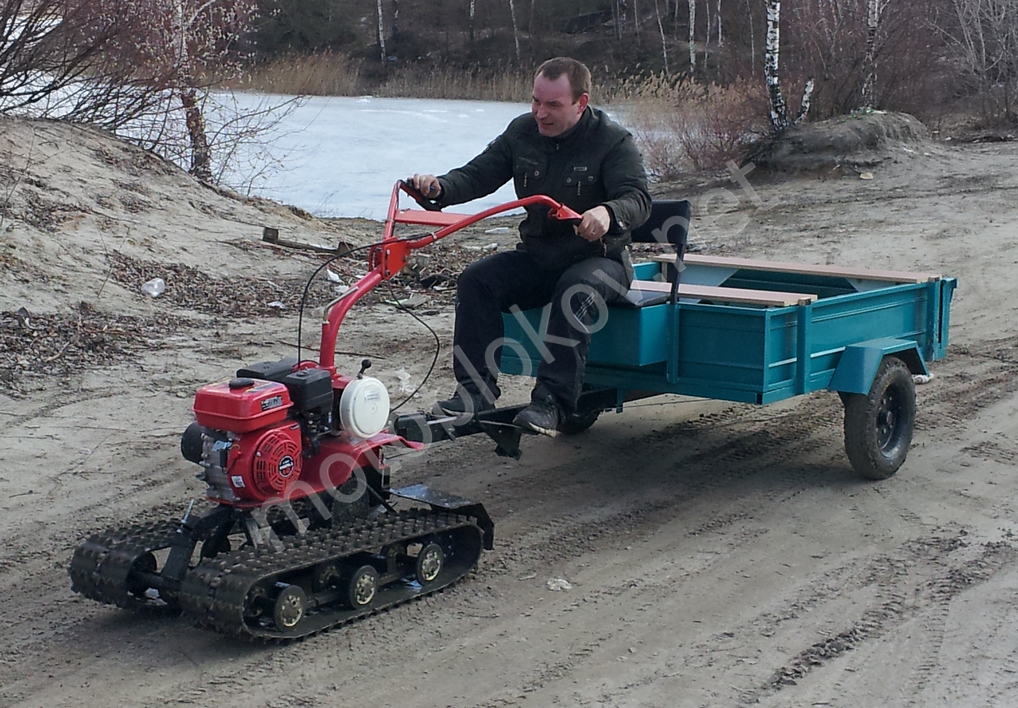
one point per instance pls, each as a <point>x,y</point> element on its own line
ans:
<point>578,156</point>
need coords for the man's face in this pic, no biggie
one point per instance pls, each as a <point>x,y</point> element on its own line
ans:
<point>553,107</point>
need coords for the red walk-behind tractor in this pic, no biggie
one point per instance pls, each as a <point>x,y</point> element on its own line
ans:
<point>304,532</point>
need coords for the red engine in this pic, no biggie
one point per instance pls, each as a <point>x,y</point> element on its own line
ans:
<point>273,433</point>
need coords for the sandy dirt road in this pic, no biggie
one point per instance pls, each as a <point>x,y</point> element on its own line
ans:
<point>717,554</point>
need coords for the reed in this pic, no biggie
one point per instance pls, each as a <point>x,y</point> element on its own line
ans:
<point>328,74</point>
<point>322,74</point>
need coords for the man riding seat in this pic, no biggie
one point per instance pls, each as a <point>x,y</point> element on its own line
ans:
<point>578,156</point>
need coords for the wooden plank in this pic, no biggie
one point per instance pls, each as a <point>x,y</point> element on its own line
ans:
<point>893,276</point>
<point>732,295</point>
<point>428,218</point>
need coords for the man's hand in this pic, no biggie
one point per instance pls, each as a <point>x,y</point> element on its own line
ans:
<point>427,185</point>
<point>594,224</point>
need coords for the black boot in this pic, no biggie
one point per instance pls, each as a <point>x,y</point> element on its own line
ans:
<point>541,416</point>
<point>465,403</point>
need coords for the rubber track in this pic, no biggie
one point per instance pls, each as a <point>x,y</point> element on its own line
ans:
<point>101,565</point>
<point>215,593</point>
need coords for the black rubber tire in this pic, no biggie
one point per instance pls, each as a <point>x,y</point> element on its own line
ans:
<point>361,587</point>
<point>879,425</point>
<point>430,562</point>
<point>290,608</point>
<point>578,422</point>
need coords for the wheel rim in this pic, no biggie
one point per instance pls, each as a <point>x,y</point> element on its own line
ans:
<point>363,587</point>
<point>429,564</point>
<point>289,608</point>
<point>890,414</point>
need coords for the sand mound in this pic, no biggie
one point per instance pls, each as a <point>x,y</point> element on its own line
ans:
<point>860,140</point>
<point>77,204</point>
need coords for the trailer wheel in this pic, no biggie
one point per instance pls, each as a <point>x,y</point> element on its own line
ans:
<point>289,608</point>
<point>879,425</point>
<point>578,422</point>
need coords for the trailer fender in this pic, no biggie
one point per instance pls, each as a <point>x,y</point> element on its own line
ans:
<point>859,363</point>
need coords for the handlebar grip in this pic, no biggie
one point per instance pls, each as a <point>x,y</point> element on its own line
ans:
<point>418,196</point>
<point>564,213</point>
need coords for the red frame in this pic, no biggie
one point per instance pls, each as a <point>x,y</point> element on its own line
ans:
<point>388,257</point>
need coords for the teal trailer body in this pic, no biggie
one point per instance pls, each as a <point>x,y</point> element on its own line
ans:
<point>834,339</point>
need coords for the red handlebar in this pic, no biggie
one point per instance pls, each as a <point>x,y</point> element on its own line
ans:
<point>388,258</point>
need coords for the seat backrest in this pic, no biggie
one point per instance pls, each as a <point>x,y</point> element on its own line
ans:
<point>668,223</point>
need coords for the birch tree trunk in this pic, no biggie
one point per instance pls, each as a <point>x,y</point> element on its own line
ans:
<point>720,38</point>
<point>752,36</point>
<point>516,31</point>
<point>692,26</point>
<point>661,30</point>
<point>395,20</point>
<point>473,4</point>
<point>873,10</point>
<point>779,112</point>
<point>381,32</point>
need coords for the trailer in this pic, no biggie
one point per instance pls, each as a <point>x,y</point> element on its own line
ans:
<point>745,330</point>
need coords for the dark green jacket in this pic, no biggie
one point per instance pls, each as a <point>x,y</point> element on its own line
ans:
<point>596,162</point>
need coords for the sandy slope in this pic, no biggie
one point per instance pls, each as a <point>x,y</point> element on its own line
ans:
<point>719,555</point>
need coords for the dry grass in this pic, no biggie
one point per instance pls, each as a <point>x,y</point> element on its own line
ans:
<point>336,75</point>
<point>512,85</point>
<point>685,127</point>
<point>308,75</point>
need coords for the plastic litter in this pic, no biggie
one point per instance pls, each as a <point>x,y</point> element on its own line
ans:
<point>404,381</point>
<point>559,584</point>
<point>154,287</point>
<point>922,378</point>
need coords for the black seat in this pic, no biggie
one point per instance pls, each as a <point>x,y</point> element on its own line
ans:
<point>668,223</point>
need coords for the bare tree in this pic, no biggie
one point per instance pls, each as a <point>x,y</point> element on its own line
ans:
<point>873,11</point>
<point>985,41</point>
<point>55,61</point>
<point>516,30</point>
<point>692,26</point>
<point>778,108</point>
<point>721,40</point>
<point>772,53</point>
<point>752,36</point>
<point>473,8</point>
<point>381,32</point>
<point>192,42</point>
<point>664,43</point>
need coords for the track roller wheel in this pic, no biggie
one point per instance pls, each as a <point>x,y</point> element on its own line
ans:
<point>325,576</point>
<point>430,562</point>
<point>362,587</point>
<point>291,605</point>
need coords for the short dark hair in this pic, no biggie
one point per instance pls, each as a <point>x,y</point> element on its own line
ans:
<point>576,72</point>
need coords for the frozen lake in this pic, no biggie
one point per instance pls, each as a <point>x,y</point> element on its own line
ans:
<point>340,156</point>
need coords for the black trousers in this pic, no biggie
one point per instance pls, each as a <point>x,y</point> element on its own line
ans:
<point>501,282</point>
